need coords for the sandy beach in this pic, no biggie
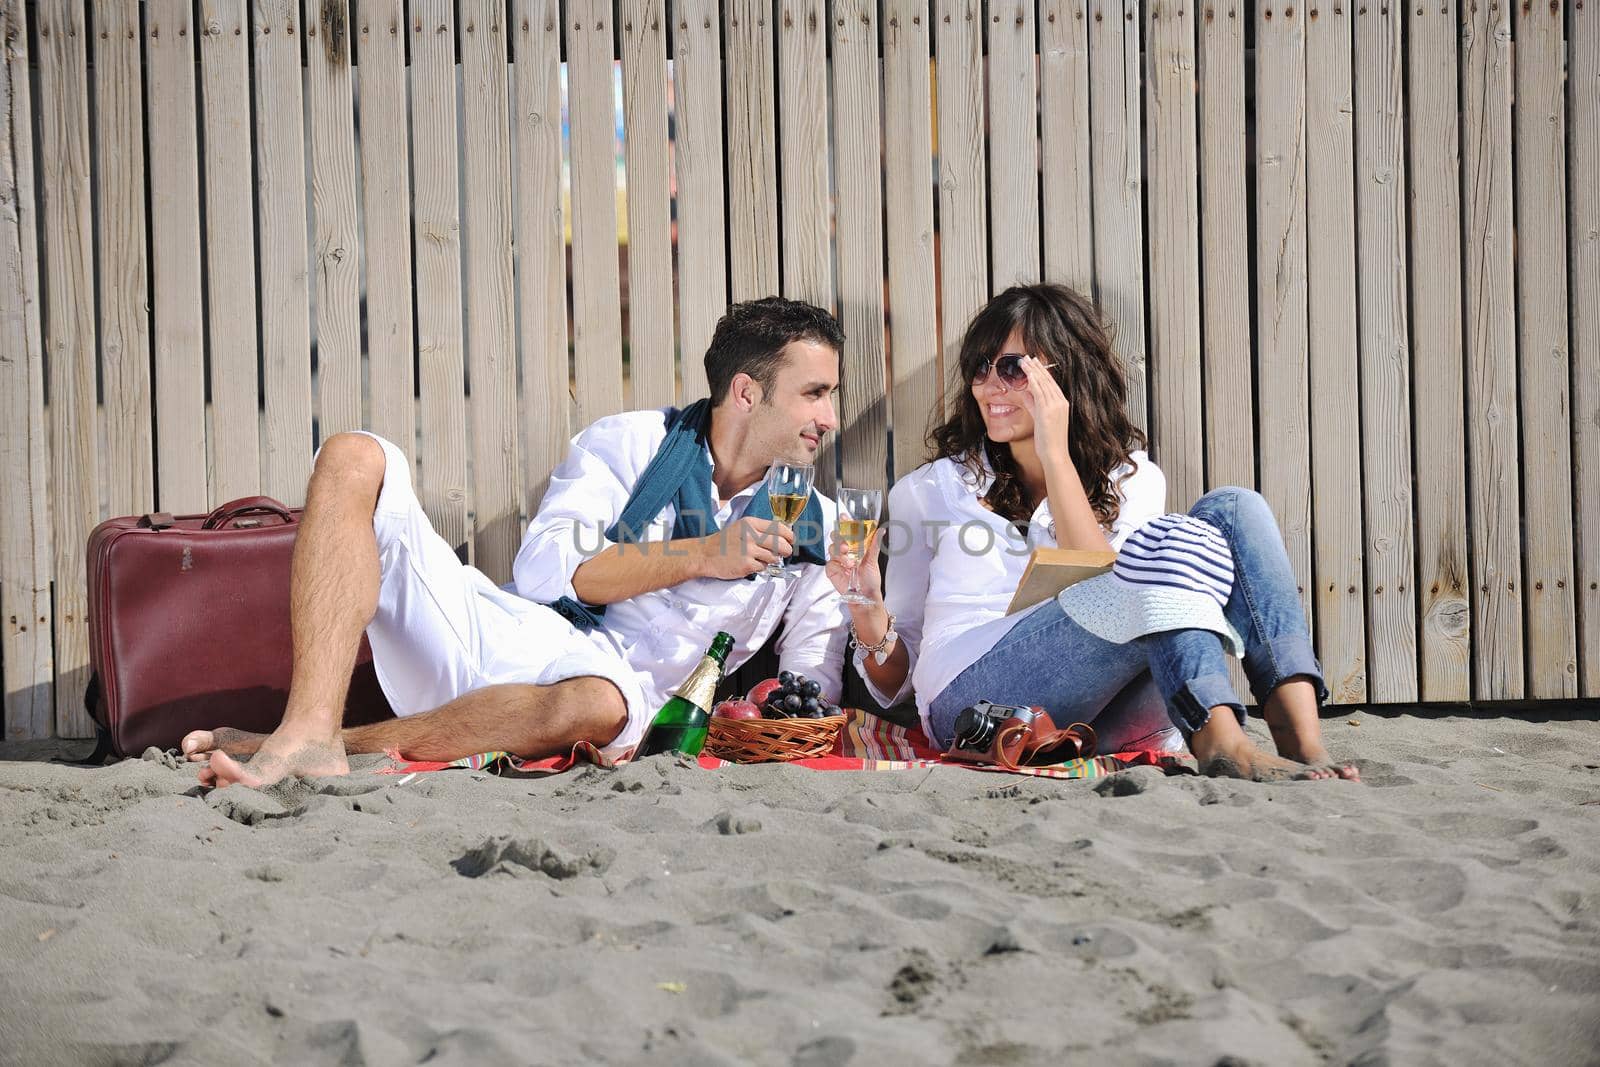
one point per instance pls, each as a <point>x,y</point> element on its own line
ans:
<point>1446,911</point>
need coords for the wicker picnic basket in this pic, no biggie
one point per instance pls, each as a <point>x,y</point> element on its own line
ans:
<point>772,740</point>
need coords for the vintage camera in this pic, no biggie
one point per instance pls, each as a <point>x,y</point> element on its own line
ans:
<point>977,727</point>
<point>1008,735</point>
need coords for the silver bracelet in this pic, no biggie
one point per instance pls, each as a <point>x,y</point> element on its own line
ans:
<point>879,651</point>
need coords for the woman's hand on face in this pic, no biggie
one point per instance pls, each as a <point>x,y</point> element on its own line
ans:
<point>869,576</point>
<point>1050,408</point>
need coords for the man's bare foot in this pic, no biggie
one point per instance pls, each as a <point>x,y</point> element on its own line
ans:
<point>198,745</point>
<point>1292,716</point>
<point>1224,750</point>
<point>279,756</point>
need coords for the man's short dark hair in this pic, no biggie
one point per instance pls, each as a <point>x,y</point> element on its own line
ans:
<point>751,337</point>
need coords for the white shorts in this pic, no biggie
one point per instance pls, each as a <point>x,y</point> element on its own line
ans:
<point>443,629</point>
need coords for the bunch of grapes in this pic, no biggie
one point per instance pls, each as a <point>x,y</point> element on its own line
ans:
<point>796,697</point>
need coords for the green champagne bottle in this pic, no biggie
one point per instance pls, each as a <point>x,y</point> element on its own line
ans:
<point>682,722</point>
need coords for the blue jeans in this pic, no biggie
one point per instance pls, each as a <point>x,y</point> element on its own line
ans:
<point>1049,660</point>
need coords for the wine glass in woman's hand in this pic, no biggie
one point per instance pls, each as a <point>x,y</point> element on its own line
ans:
<point>853,563</point>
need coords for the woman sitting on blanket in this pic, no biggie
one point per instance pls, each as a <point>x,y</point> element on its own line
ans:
<point>1039,452</point>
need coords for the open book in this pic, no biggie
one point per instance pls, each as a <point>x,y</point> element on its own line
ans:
<point>1051,570</point>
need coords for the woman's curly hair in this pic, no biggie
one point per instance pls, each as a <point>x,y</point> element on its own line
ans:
<point>1063,327</point>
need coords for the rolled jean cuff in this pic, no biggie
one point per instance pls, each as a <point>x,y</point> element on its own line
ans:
<point>1288,656</point>
<point>1190,707</point>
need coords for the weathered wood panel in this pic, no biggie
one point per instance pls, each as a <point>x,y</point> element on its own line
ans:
<point>805,202</point>
<point>596,283</point>
<point>335,243</point>
<point>651,355</point>
<point>1174,244</point>
<point>916,389</point>
<point>234,432</point>
<point>1064,143</point>
<point>180,373</point>
<point>281,219</point>
<point>122,268</point>
<point>963,238</point>
<point>805,206</point>
<point>1434,182</point>
<point>1224,251</point>
<point>697,151</point>
<point>1013,144</point>
<point>491,319</point>
<point>26,668</point>
<point>69,338</point>
<point>751,150</point>
<point>1118,166</point>
<point>1491,352</point>
<point>436,226</point>
<point>1336,431</point>
<point>1386,473</point>
<point>1543,387</point>
<point>1583,119</point>
<point>386,219</point>
<point>863,412</point>
<point>1281,330</point>
<point>541,275</point>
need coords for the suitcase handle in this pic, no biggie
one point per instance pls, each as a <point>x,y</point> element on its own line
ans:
<point>249,505</point>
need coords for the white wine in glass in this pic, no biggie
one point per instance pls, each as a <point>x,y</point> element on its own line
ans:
<point>788,489</point>
<point>786,507</point>
<point>853,537</point>
<point>858,520</point>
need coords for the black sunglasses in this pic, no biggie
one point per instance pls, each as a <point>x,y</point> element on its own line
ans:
<point>1008,365</point>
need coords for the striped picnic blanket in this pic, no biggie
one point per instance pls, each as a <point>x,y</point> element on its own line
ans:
<point>866,743</point>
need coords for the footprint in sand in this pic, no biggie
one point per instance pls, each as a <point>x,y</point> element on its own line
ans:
<point>168,758</point>
<point>1375,774</point>
<point>824,1052</point>
<point>917,906</point>
<point>287,799</point>
<point>729,824</point>
<point>1541,848</point>
<point>1422,886</point>
<point>503,855</point>
<point>1131,782</point>
<point>248,807</point>
<point>913,984</point>
<point>1476,825</point>
<point>1209,791</point>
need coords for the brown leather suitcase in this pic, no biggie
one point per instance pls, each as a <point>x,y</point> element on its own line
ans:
<point>189,626</point>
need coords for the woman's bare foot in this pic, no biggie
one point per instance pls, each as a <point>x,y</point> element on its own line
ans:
<point>1224,750</point>
<point>198,745</point>
<point>1292,716</point>
<point>280,755</point>
<point>1311,754</point>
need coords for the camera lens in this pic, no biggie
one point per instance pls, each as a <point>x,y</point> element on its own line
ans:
<point>974,729</point>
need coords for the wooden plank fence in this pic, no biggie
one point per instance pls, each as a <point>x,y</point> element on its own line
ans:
<point>1352,253</point>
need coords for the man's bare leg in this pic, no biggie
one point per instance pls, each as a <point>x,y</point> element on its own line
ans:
<point>529,720</point>
<point>1224,750</point>
<point>333,594</point>
<point>1292,715</point>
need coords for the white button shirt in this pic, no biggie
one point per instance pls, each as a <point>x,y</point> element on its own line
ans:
<point>662,634</point>
<point>954,565</point>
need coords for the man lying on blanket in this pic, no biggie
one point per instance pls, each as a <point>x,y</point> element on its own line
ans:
<point>646,544</point>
